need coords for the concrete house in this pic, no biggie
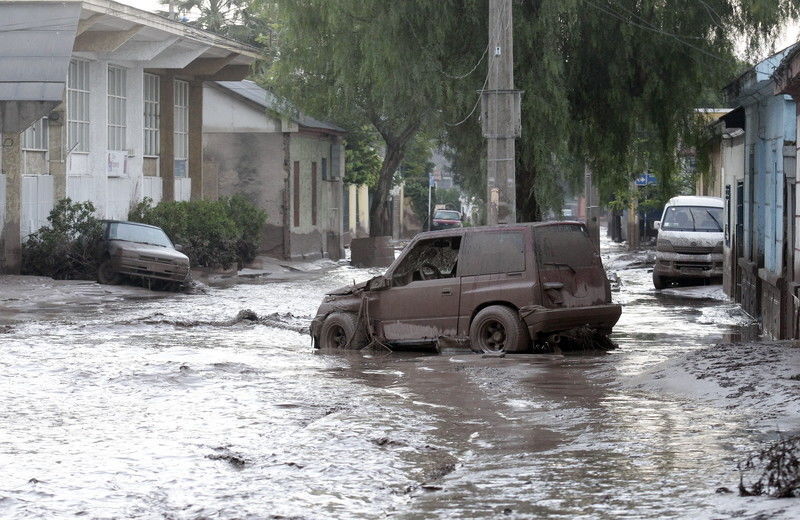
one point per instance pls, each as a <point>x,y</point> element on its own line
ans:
<point>762,228</point>
<point>101,102</point>
<point>291,166</point>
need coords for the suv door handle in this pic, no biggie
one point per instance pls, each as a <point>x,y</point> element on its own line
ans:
<point>514,274</point>
<point>447,292</point>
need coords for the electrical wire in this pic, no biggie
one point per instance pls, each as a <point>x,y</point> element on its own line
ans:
<point>656,30</point>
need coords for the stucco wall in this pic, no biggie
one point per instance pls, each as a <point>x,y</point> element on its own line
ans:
<point>250,164</point>
<point>309,240</point>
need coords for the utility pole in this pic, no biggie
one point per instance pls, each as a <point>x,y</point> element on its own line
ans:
<point>500,107</point>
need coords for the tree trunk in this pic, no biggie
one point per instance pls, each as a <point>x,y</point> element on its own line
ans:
<point>379,222</point>
<point>528,209</point>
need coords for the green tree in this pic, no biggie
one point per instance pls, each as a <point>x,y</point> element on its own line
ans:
<point>415,172</point>
<point>248,21</point>
<point>372,62</point>
<point>609,84</point>
<point>362,158</point>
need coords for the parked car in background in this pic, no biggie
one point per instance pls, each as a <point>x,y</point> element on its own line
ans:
<point>134,249</point>
<point>446,219</point>
<point>689,245</point>
<point>497,289</point>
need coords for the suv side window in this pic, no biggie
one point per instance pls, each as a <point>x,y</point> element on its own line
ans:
<point>430,259</point>
<point>493,252</point>
<point>563,246</point>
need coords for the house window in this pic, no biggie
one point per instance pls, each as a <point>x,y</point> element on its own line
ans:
<point>117,93</point>
<point>181,127</point>
<point>78,106</point>
<point>152,90</point>
<point>324,167</point>
<point>34,139</point>
<point>296,194</point>
<point>34,149</point>
<point>314,193</point>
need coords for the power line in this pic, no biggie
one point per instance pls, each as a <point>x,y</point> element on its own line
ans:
<point>676,37</point>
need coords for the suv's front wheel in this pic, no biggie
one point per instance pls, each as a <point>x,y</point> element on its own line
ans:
<point>341,330</point>
<point>498,329</point>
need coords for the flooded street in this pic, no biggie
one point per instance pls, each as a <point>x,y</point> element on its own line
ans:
<point>170,408</point>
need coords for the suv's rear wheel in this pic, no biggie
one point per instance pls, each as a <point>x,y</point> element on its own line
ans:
<point>340,330</point>
<point>660,282</point>
<point>498,329</point>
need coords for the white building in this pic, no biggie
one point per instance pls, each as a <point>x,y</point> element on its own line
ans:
<point>122,118</point>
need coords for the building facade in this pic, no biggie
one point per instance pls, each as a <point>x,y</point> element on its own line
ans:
<point>128,121</point>
<point>760,230</point>
<point>291,166</point>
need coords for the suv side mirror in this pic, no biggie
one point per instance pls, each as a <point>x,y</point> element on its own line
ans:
<point>657,225</point>
<point>178,247</point>
<point>378,283</point>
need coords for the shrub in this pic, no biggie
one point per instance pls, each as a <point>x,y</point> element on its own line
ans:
<point>68,247</point>
<point>213,233</point>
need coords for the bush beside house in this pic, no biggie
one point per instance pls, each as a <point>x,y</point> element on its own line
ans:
<point>215,234</point>
<point>67,248</point>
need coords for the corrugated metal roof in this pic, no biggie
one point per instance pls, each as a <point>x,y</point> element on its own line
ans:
<point>251,91</point>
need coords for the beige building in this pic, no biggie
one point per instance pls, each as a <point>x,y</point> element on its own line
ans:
<point>289,166</point>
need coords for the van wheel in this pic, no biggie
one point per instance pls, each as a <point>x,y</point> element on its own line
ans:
<point>340,330</point>
<point>660,282</point>
<point>106,274</point>
<point>498,329</point>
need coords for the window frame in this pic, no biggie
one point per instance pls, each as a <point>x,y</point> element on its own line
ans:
<point>78,106</point>
<point>151,108</point>
<point>117,104</point>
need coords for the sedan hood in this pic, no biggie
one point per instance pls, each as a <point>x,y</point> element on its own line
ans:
<point>131,248</point>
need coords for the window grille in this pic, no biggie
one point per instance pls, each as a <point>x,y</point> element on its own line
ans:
<point>152,114</point>
<point>78,106</point>
<point>116,108</point>
<point>181,120</point>
<point>34,139</point>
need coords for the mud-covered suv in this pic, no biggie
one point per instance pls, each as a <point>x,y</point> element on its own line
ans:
<point>497,289</point>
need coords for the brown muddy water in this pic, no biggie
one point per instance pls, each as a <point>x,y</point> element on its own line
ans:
<point>164,408</point>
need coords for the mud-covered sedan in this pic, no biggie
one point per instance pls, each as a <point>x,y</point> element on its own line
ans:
<point>134,249</point>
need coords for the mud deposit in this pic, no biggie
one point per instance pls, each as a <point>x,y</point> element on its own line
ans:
<point>182,408</point>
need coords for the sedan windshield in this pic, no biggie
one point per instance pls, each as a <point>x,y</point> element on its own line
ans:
<point>693,218</point>
<point>447,215</point>
<point>140,234</point>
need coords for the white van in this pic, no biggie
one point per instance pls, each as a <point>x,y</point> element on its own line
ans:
<point>689,241</point>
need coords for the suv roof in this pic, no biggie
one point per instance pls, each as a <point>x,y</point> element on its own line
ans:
<point>476,229</point>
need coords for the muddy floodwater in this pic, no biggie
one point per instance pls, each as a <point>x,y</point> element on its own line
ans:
<point>168,408</point>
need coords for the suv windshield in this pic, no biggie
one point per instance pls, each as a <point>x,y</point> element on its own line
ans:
<point>692,218</point>
<point>140,234</point>
<point>447,215</point>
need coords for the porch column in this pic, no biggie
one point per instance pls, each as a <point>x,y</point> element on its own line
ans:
<point>166,164</point>
<point>12,168</point>
<point>56,153</point>
<point>196,138</point>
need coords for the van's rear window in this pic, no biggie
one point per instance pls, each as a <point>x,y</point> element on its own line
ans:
<point>562,246</point>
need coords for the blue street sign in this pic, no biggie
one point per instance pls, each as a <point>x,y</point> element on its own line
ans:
<point>431,182</point>
<point>646,179</point>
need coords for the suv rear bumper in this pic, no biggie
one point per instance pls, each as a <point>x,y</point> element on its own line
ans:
<point>541,320</point>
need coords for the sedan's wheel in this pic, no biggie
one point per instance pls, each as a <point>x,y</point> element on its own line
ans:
<point>498,329</point>
<point>340,331</point>
<point>106,274</point>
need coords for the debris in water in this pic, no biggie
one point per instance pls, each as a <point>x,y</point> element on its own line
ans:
<point>228,456</point>
<point>772,471</point>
